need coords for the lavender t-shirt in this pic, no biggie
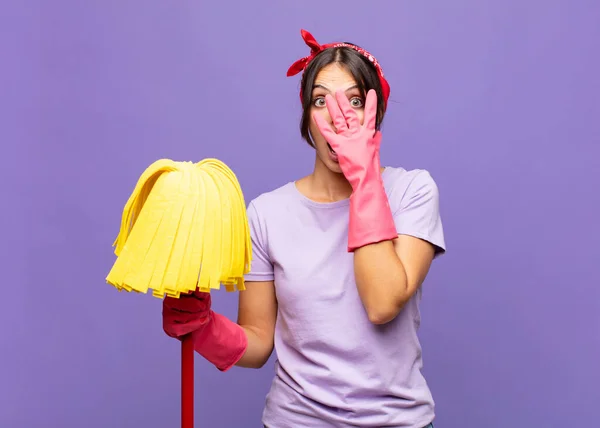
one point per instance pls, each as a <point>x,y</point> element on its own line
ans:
<point>334,367</point>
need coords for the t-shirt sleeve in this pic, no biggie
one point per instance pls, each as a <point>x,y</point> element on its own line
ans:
<point>261,268</point>
<point>418,213</point>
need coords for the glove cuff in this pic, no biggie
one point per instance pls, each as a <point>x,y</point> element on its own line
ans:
<point>371,219</point>
<point>222,341</point>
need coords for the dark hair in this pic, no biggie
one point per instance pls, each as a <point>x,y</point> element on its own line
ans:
<point>363,71</point>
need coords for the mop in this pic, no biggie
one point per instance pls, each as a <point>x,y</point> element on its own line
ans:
<point>184,228</point>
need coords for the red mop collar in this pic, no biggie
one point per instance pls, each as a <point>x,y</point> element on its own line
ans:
<point>316,48</point>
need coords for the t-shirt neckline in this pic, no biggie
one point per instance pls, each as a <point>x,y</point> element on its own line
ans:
<point>323,205</point>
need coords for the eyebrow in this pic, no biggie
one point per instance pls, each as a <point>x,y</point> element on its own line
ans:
<point>317,86</point>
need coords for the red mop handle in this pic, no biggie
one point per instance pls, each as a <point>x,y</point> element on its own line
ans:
<point>187,382</point>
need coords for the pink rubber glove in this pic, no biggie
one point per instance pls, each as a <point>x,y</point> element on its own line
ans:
<point>357,149</point>
<point>216,338</point>
<point>187,314</point>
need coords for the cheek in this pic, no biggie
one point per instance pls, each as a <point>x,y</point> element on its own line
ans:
<point>323,112</point>
<point>316,134</point>
<point>361,115</point>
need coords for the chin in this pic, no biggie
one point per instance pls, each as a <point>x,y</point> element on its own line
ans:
<point>325,159</point>
<point>330,164</point>
<point>334,167</point>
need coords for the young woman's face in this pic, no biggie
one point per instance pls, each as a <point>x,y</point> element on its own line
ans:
<point>331,79</point>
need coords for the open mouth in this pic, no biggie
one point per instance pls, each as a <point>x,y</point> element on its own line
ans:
<point>332,154</point>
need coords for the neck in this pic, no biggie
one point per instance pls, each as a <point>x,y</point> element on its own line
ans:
<point>326,185</point>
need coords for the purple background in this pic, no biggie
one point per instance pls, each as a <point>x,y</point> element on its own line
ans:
<point>499,100</point>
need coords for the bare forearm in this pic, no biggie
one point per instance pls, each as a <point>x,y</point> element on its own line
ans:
<point>258,351</point>
<point>381,281</point>
<point>257,313</point>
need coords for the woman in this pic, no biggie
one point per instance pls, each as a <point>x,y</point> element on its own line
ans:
<point>339,257</point>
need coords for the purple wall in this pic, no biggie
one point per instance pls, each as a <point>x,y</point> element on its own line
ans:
<point>499,100</point>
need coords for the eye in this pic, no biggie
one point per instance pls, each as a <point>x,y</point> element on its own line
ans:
<point>356,102</point>
<point>319,102</point>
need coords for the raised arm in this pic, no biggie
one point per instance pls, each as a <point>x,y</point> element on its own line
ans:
<point>257,313</point>
<point>393,248</point>
<point>388,273</point>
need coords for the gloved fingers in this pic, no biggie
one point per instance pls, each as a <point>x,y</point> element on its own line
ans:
<point>177,330</point>
<point>325,128</point>
<point>350,116</point>
<point>337,117</point>
<point>188,303</point>
<point>370,120</point>
<point>176,325</point>
<point>200,295</point>
<point>176,317</point>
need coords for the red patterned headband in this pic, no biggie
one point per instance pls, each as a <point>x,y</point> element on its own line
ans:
<point>316,48</point>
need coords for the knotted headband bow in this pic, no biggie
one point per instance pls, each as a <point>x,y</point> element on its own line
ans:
<point>316,48</point>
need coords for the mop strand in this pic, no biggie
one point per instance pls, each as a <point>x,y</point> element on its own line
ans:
<point>184,228</point>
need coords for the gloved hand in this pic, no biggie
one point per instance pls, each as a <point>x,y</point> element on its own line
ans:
<point>216,338</point>
<point>357,148</point>
<point>188,313</point>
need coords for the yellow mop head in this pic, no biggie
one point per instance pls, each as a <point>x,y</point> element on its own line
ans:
<point>183,228</point>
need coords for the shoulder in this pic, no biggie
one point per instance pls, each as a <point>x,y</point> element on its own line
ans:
<point>414,200</point>
<point>402,184</point>
<point>271,201</point>
<point>270,210</point>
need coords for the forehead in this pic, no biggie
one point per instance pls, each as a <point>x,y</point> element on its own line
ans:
<point>334,76</point>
